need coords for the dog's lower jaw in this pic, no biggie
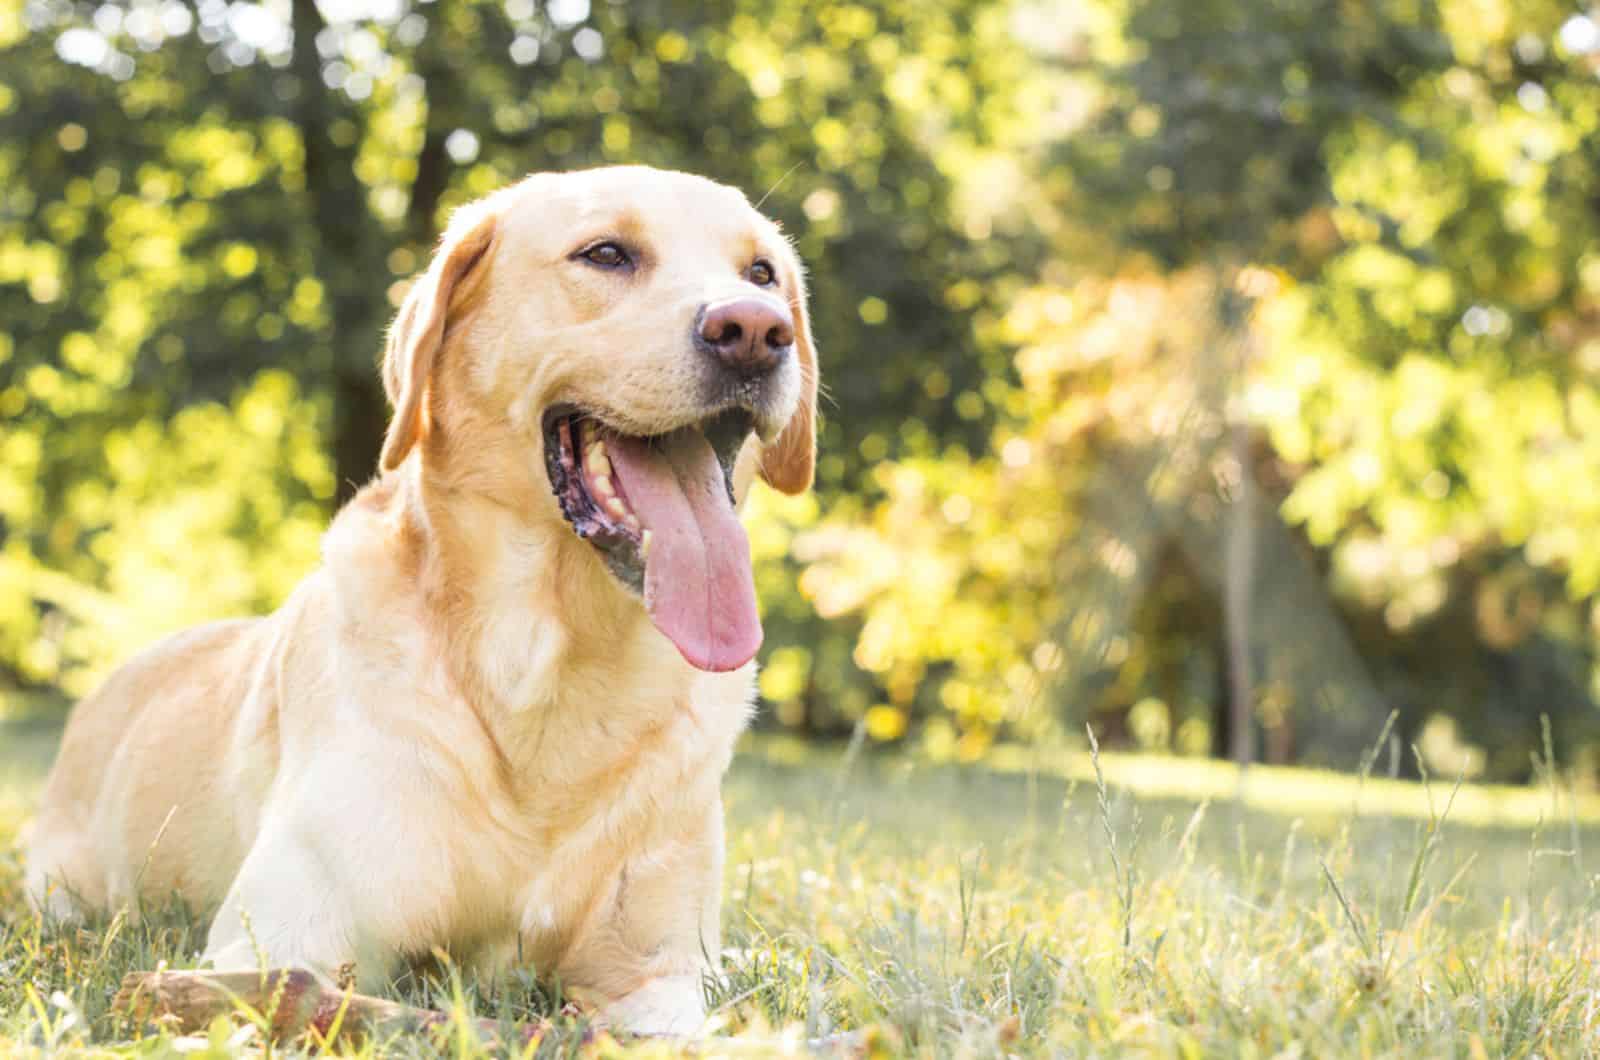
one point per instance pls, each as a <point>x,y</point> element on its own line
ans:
<point>671,1006</point>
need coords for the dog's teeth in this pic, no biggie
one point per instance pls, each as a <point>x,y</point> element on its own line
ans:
<point>597,460</point>
<point>632,521</point>
<point>644,545</point>
<point>602,486</point>
<point>615,506</point>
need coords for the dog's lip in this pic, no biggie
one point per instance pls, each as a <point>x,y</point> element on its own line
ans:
<point>621,541</point>
<point>764,426</point>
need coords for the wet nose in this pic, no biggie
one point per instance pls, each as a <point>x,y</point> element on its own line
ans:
<point>751,336</point>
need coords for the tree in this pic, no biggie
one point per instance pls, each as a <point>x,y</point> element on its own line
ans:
<point>209,209</point>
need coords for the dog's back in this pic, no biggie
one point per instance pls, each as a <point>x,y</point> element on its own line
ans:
<point>113,801</point>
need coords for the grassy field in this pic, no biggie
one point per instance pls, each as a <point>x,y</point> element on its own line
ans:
<point>962,912</point>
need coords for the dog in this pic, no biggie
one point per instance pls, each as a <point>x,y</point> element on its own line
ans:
<point>495,720</point>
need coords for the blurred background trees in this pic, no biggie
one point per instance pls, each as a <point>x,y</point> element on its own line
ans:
<point>1220,374</point>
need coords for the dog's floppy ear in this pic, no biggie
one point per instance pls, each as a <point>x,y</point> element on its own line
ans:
<point>789,463</point>
<point>419,330</point>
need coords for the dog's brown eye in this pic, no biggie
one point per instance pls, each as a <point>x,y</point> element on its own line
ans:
<point>607,256</point>
<point>762,274</point>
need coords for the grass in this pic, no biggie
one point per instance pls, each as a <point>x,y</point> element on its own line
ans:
<point>945,911</point>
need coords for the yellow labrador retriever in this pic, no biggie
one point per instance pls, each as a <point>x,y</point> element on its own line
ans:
<point>496,719</point>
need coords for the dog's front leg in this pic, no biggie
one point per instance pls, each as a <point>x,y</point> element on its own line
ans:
<point>284,910</point>
<point>325,885</point>
<point>644,959</point>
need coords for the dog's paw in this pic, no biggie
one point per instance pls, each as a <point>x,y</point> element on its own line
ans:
<point>671,1006</point>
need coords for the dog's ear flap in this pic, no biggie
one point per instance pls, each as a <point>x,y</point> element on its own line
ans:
<point>790,462</point>
<point>419,329</point>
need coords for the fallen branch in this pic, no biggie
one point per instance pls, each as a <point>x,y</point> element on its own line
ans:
<point>288,1003</point>
<point>284,1003</point>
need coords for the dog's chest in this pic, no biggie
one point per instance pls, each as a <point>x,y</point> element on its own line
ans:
<point>600,787</point>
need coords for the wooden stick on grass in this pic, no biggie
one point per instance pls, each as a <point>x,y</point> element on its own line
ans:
<point>287,1003</point>
<point>284,1002</point>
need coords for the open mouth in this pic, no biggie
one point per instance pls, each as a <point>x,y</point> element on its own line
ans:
<point>659,510</point>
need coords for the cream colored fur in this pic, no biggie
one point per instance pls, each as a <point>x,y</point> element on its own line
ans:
<point>460,731</point>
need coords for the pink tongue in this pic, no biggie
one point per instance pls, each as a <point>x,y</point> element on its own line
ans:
<point>697,583</point>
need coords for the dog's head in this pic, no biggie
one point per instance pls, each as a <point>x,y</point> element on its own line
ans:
<point>627,335</point>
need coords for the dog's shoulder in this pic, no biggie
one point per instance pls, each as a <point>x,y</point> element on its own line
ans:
<point>372,554</point>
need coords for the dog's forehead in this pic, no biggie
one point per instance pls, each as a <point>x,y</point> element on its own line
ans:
<point>639,201</point>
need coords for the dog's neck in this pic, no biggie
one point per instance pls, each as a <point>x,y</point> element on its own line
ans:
<point>512,618</point>
<point>526,611</point>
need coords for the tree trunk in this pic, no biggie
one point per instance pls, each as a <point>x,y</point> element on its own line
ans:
<point>1240,573</point>
<point>345,257</point>
<point>1239,561</point>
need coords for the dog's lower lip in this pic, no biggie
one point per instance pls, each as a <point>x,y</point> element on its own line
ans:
<point>590,496</point>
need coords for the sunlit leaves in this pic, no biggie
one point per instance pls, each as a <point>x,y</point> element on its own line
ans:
<point>1017,218</point>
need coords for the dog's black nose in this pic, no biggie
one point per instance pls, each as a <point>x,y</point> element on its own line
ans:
<point>751,336</point>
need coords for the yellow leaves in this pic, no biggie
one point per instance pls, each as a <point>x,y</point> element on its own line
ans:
<point>262,410</point>
<point>1424,391</point>
<point>673,48</point>
<point>963,295</point>
<point>974,743</point>
<point>305,304</point>
<point>908,84</point>
<point>954,89</point>
<point>969,405</point>
<point>1376,268</point>
<point>954,573</point>
<point>1034,316</point>
<point>931,569</point>
<point>846,567</point>
<point>885,723</point>
<point>760,60</point>
<point>43,383</point>
<point>823,203</point>
<point>280,140</point>
<point>12,26</point>
<point>39,265</point>
<point>208,514</point>
<point>615,135</point>
<point>1150,723</point>
<point>158,185</point>
<point>877,644</point>
<point>847,23</point>
<point>833,140</point>
<point>19,459</point>
<point>372,169</point>
<point>237,260</point>
<point>873,310</point>
<point>219,159</point>
<point>1434,291</point>
<point>785,674</point>
<point>766,82</point>
<point>81,353</point>
<point>72,137</point>
<point>485,177</point>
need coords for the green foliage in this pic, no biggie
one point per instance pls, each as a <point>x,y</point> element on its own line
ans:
<point>1361,242</point>
<point>199,201</point>
<point>1087,279</point>
<point>1433,390</point>
<point>215,511</point>
<point>1212,141</point>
